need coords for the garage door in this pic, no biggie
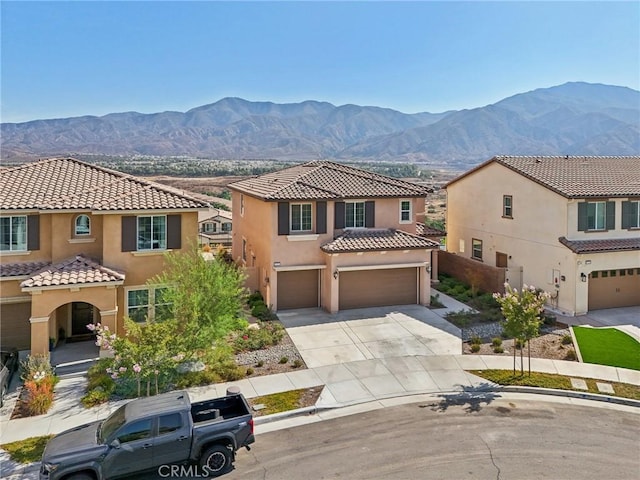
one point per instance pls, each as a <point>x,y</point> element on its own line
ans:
<point>297,289</point>
<point>377,288</point>
<point>614,288</point>
<point>15,329</point>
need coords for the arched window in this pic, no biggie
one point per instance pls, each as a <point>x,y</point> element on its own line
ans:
<point>83,225</point>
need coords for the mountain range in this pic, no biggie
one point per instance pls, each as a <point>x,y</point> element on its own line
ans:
<point>574,119</point>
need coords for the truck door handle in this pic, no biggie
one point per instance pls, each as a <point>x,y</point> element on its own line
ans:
<point>182,437</point>
<point>146,445</point>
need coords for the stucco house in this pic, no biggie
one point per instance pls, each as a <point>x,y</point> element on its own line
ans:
<point>322,234</point>
<point>215,228</point>
<point>567,224</point>
<point>78,243</point>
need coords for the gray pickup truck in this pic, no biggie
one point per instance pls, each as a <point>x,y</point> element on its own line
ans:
<point>161,433</point>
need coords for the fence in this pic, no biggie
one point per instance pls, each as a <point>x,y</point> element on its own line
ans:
<point>477,274</point>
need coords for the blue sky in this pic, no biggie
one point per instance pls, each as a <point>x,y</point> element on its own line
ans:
<point>62,59</point>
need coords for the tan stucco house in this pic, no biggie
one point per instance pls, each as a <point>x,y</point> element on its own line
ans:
<point>78,243</point>
<point>567,224</point>
<point>322,234</point>
<point>215,228</point>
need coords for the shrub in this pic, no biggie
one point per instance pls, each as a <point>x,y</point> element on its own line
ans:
<point>476,340</point>
<point>267,334</point>
<point>296,363</point>
<point>496,342</point>
<point>95,397</point>
<point>518,344</point>
<point>498,349</point>
<point>283,360</point>
<point>549,320</point>
<point>39,381</point>
<point>571,355</point>
<point>254,298</point>
<point>435,301</point>
<point>475,347</point>
<point>197,379</point>
<point>260,363</point>
<point>249,371</point>
<point>566,339</point>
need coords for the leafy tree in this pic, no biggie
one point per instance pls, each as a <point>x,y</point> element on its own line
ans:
<point>522,311</point>
<point>207,297</point>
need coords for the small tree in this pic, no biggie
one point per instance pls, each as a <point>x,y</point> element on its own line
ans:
<point>522,313</point>
<point>207,297</point>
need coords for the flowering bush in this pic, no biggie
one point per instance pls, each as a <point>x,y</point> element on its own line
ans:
<point>267,334</point>
<point>523,312</point>
<point>39,381</point>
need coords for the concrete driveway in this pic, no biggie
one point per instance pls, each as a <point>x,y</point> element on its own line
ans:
<point>369,333</point>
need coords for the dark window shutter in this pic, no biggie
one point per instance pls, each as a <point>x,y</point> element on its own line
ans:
<point>610,213</point>
<point>174,232</point>
<point>321,217</point>
<point>129,232</point>
<point>283,218</point>
<point>339,215</point>
<point>33,232</point>
<point>626,214</point>
<point>370,214</point>
<point>582,216</point>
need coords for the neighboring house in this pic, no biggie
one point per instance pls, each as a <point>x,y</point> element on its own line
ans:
<point>571,224</point>
<point>78,243</point>
<point>214,228</point>
<point>327,235</point>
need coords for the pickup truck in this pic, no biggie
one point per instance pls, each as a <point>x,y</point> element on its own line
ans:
<point>154,433</point>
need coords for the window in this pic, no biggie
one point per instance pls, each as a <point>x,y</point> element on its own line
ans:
<point>354,215</point>
<point>594,274</point>
<point>300,217</point>
<point>596,216</point>
<point>476,250</point>
<point>83,225</point>
<point>507,206</point>
<point>135,431</point>
<point>241,205</point>
<point>13,233</point>
<point>152,232</point>
<point>169,423</point>
<point>209,227</point>
<point>405,211</point>
<point>631,214</point>
<point>143,303</point>
<point>244,249</point>
<point>226,227</point>
<point>605,274</point>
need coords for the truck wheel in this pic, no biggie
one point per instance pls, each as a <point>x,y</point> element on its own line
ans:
<point>216,460</point>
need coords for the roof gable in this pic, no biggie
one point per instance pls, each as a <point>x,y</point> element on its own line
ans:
<point>575,176</point>
<point>324,180</point>
<point>66,183</point>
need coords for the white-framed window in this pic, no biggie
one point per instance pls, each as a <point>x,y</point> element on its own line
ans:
<point>82,225</point>
<point>354,215</point>
<point>148,302</point>
<point>226,227</point>
<point>209,227</point>
<point>152,232</point>
<point>507,206</point>
<point>596,212</point>
<point>476,249</point>
<point>405,211</point>
<point>13,233</point>
<point>300,217</point>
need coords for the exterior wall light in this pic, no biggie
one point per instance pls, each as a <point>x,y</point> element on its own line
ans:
<point>335,274</point>
<point>583,277</point>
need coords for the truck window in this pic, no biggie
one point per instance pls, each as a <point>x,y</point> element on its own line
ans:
<point>135,431</point>
<point>169,423</point>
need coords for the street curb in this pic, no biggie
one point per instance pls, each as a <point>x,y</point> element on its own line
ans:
<point>298,412</point>
<point>570,393</point>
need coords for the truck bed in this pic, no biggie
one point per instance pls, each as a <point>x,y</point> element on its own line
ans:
<point>222,408</point>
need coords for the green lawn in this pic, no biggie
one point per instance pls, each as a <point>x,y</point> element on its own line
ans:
<point>608,346</point>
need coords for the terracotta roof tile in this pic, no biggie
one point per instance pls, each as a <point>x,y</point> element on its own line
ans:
<point>602,245</point>
<point>21,269</point>
<point>424,231</point>
<point>576,176</point>
<point>324,180</point>
<point>78,270</point>
<point>377,240</point>
<point>66,183</point>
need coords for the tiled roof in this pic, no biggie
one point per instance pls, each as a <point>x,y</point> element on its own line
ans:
<point>576,176</point>
<point>21,269</point>
<point>66,183</point>
<point>77,270</point>
<point>324,180</point>
<point>424,231</point>
<point>602,245</point>
<point>376,240</point>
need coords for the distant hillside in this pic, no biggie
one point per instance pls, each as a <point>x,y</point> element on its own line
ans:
<point>574,118</point>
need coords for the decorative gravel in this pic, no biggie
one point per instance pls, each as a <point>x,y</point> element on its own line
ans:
<point>271,356</point>
<point>494,329</point>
